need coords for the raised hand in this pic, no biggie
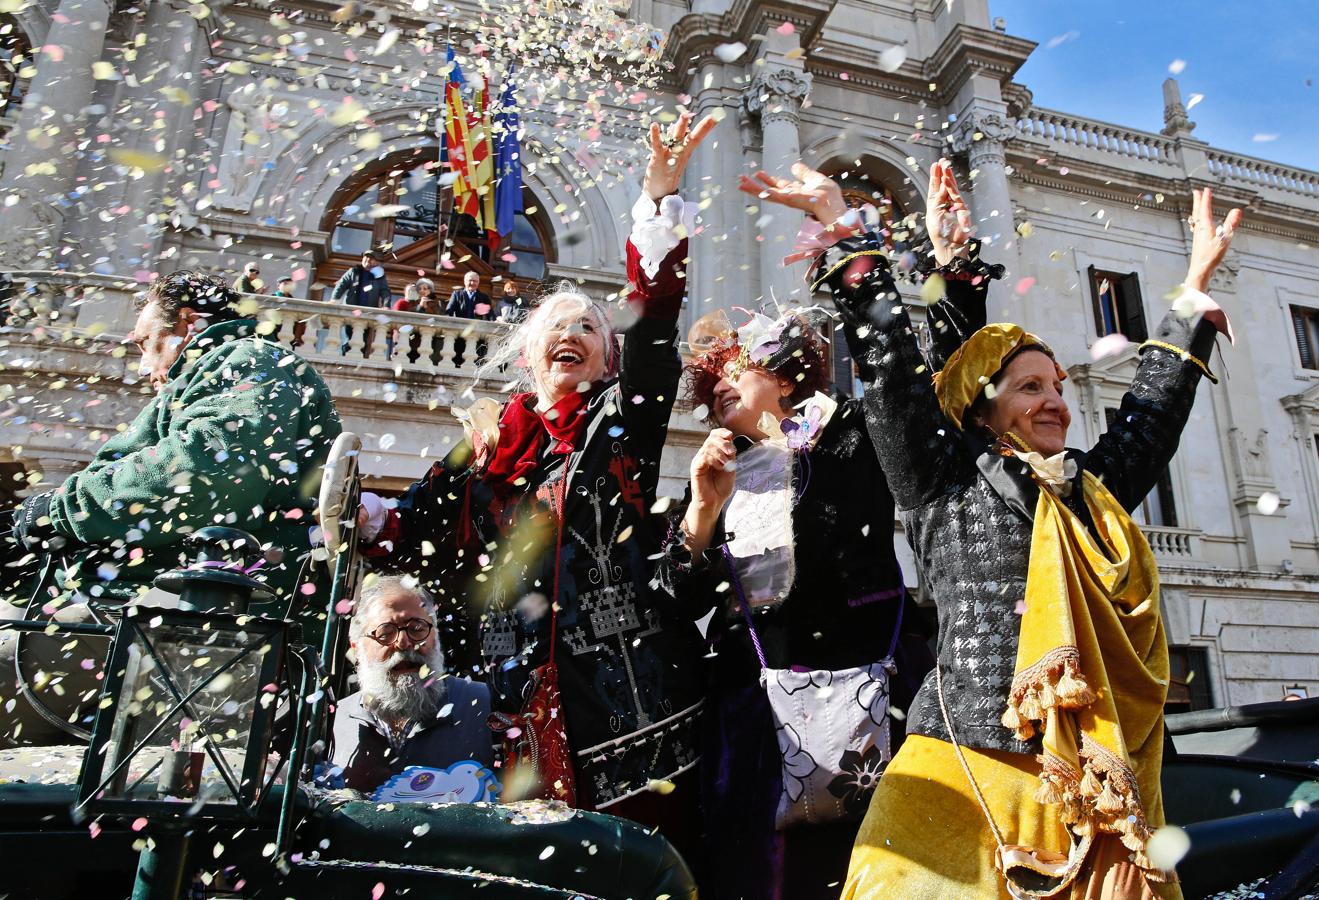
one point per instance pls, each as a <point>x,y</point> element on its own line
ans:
<point>712,474</point>
<point>669,155</point>
<point>1209,242</point>
<point>810,191</point>
<point>947,220</point>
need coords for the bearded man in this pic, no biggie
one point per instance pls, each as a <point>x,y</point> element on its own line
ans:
<point>408,712</point>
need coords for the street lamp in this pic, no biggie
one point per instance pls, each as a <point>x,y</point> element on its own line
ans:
<point>190,696</point>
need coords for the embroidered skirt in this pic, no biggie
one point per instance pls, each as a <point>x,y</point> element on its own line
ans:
<point>925,837</point>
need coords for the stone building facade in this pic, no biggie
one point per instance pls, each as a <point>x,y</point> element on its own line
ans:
<point>175,133</point>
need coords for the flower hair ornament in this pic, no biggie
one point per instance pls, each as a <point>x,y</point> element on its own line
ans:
<point>769,343</point>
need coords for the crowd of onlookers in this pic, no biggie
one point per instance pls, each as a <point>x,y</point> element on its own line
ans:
<point>366,284</point>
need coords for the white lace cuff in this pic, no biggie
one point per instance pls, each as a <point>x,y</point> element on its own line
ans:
<point>658,228</point>
<point>1191,302</point>
<point>376,513</point>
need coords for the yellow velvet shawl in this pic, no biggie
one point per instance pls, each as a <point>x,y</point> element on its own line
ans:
<point>1092,669</point>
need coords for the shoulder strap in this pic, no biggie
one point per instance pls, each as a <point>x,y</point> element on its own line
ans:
<point>736,581</point>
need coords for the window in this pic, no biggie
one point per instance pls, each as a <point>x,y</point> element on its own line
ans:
<point>1118,308</point>
<point>859,191</point>
<point>1158,509</point>
<point>1305,323</point>
<point>1188,687</point>
<point>414,193</point>
<point>15,58</point>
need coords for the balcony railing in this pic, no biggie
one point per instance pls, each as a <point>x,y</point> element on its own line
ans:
<point>1051,127</point>
<point>1262,173</point>
<point>354,335</point>
<point>1173,544</point>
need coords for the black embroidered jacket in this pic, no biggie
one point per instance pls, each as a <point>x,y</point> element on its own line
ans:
<point>967,511</point>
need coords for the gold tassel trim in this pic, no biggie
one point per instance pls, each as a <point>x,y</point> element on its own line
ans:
<point>1055,682</point>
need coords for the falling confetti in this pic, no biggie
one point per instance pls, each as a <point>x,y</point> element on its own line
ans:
<point>1268,503</point>
<point>1167,846</point>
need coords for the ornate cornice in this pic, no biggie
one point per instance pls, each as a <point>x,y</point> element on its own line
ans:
<point>696,35</point>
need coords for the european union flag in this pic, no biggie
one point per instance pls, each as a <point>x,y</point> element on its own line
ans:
<point>508,161</point>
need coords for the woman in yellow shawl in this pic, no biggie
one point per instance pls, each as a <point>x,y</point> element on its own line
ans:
<point>1035,747</point>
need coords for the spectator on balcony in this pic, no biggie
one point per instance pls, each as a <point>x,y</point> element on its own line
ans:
<point>427,302</point>
<point>407,303</point>
<point>410,299</point>
<point>408,711</point>
<point>469,301</point>
<point>363,285</point>
<point>512,308</point>
<point>235,435</point>
<point>284,287</point>
<point>248,282</point>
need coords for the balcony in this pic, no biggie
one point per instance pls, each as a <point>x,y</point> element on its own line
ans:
<point>1174,545</point>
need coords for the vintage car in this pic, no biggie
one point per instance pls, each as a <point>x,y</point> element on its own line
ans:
<point>196,778</point>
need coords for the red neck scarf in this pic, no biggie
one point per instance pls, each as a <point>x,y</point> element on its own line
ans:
<point>522,435</point>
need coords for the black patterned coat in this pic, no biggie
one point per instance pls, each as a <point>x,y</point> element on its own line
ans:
<point>630,672</point>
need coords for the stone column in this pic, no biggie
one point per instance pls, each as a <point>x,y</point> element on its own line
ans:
<point>715,279</point>
<point>981,136</point>
<point>159,125</point>
<point>43,156</point>
<point>775,96</point>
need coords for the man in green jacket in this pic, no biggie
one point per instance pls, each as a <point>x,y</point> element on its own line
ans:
<point>237,435</point>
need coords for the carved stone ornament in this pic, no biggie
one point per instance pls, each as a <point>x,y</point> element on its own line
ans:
<point>777,94</point>
<point>1252,455</point>
<point>980,130</point>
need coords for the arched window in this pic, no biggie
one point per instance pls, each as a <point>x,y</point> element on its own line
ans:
<point>860,190</point>
<point>397,211</point>
<point>390,212</point>
<point>15,66</point>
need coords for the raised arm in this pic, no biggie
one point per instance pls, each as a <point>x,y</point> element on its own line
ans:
<point>919,449</point>
<point>651,368</point>
<point>1132,454</point>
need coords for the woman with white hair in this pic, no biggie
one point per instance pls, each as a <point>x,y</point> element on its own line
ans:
<point>541,522</point>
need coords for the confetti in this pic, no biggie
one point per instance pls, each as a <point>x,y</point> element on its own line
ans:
<point>1268,503</point>
<point>1109,345</point>
<point>892,59</point>
<point>1176,66</point>
<point>730,53</point>
<point>1167,846</point>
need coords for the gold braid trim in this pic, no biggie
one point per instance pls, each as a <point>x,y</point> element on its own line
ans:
<point>1185,356</point>
<point>1056,681</point>
<point>815,286</point>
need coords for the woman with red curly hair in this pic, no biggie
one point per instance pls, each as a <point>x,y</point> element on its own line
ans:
<point>787,533</point>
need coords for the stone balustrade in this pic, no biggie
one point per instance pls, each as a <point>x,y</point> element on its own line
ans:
<point>1173,544</point>
<point>1262,173</point>
<point>356,336</point>
<point>1049,127</point>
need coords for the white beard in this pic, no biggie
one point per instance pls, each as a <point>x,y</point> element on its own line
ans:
<point>405,697</point>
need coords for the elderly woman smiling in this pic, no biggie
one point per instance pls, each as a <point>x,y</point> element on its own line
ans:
<point>1034,749</point>
<point>540,524</point>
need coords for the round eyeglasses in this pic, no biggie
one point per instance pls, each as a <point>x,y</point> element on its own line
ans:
<point>415,629</point>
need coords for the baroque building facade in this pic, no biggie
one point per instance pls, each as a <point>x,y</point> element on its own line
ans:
<point>173,133</point>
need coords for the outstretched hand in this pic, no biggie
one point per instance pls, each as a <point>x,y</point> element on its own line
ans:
<point>669,155</point>
<point>1209,242</point>
<point>947,220</point>
<point>810,191</point>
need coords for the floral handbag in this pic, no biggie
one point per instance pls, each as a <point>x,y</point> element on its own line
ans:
<point>832,729</point>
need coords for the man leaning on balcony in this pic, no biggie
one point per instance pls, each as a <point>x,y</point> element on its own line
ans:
<point>236,435</point>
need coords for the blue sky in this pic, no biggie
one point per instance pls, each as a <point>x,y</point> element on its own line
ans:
<point>1256,63</point>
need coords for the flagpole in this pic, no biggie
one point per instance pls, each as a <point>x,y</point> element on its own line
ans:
<point>441,212</point>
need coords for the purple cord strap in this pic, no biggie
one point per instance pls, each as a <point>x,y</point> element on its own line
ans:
<point>742,602</point>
